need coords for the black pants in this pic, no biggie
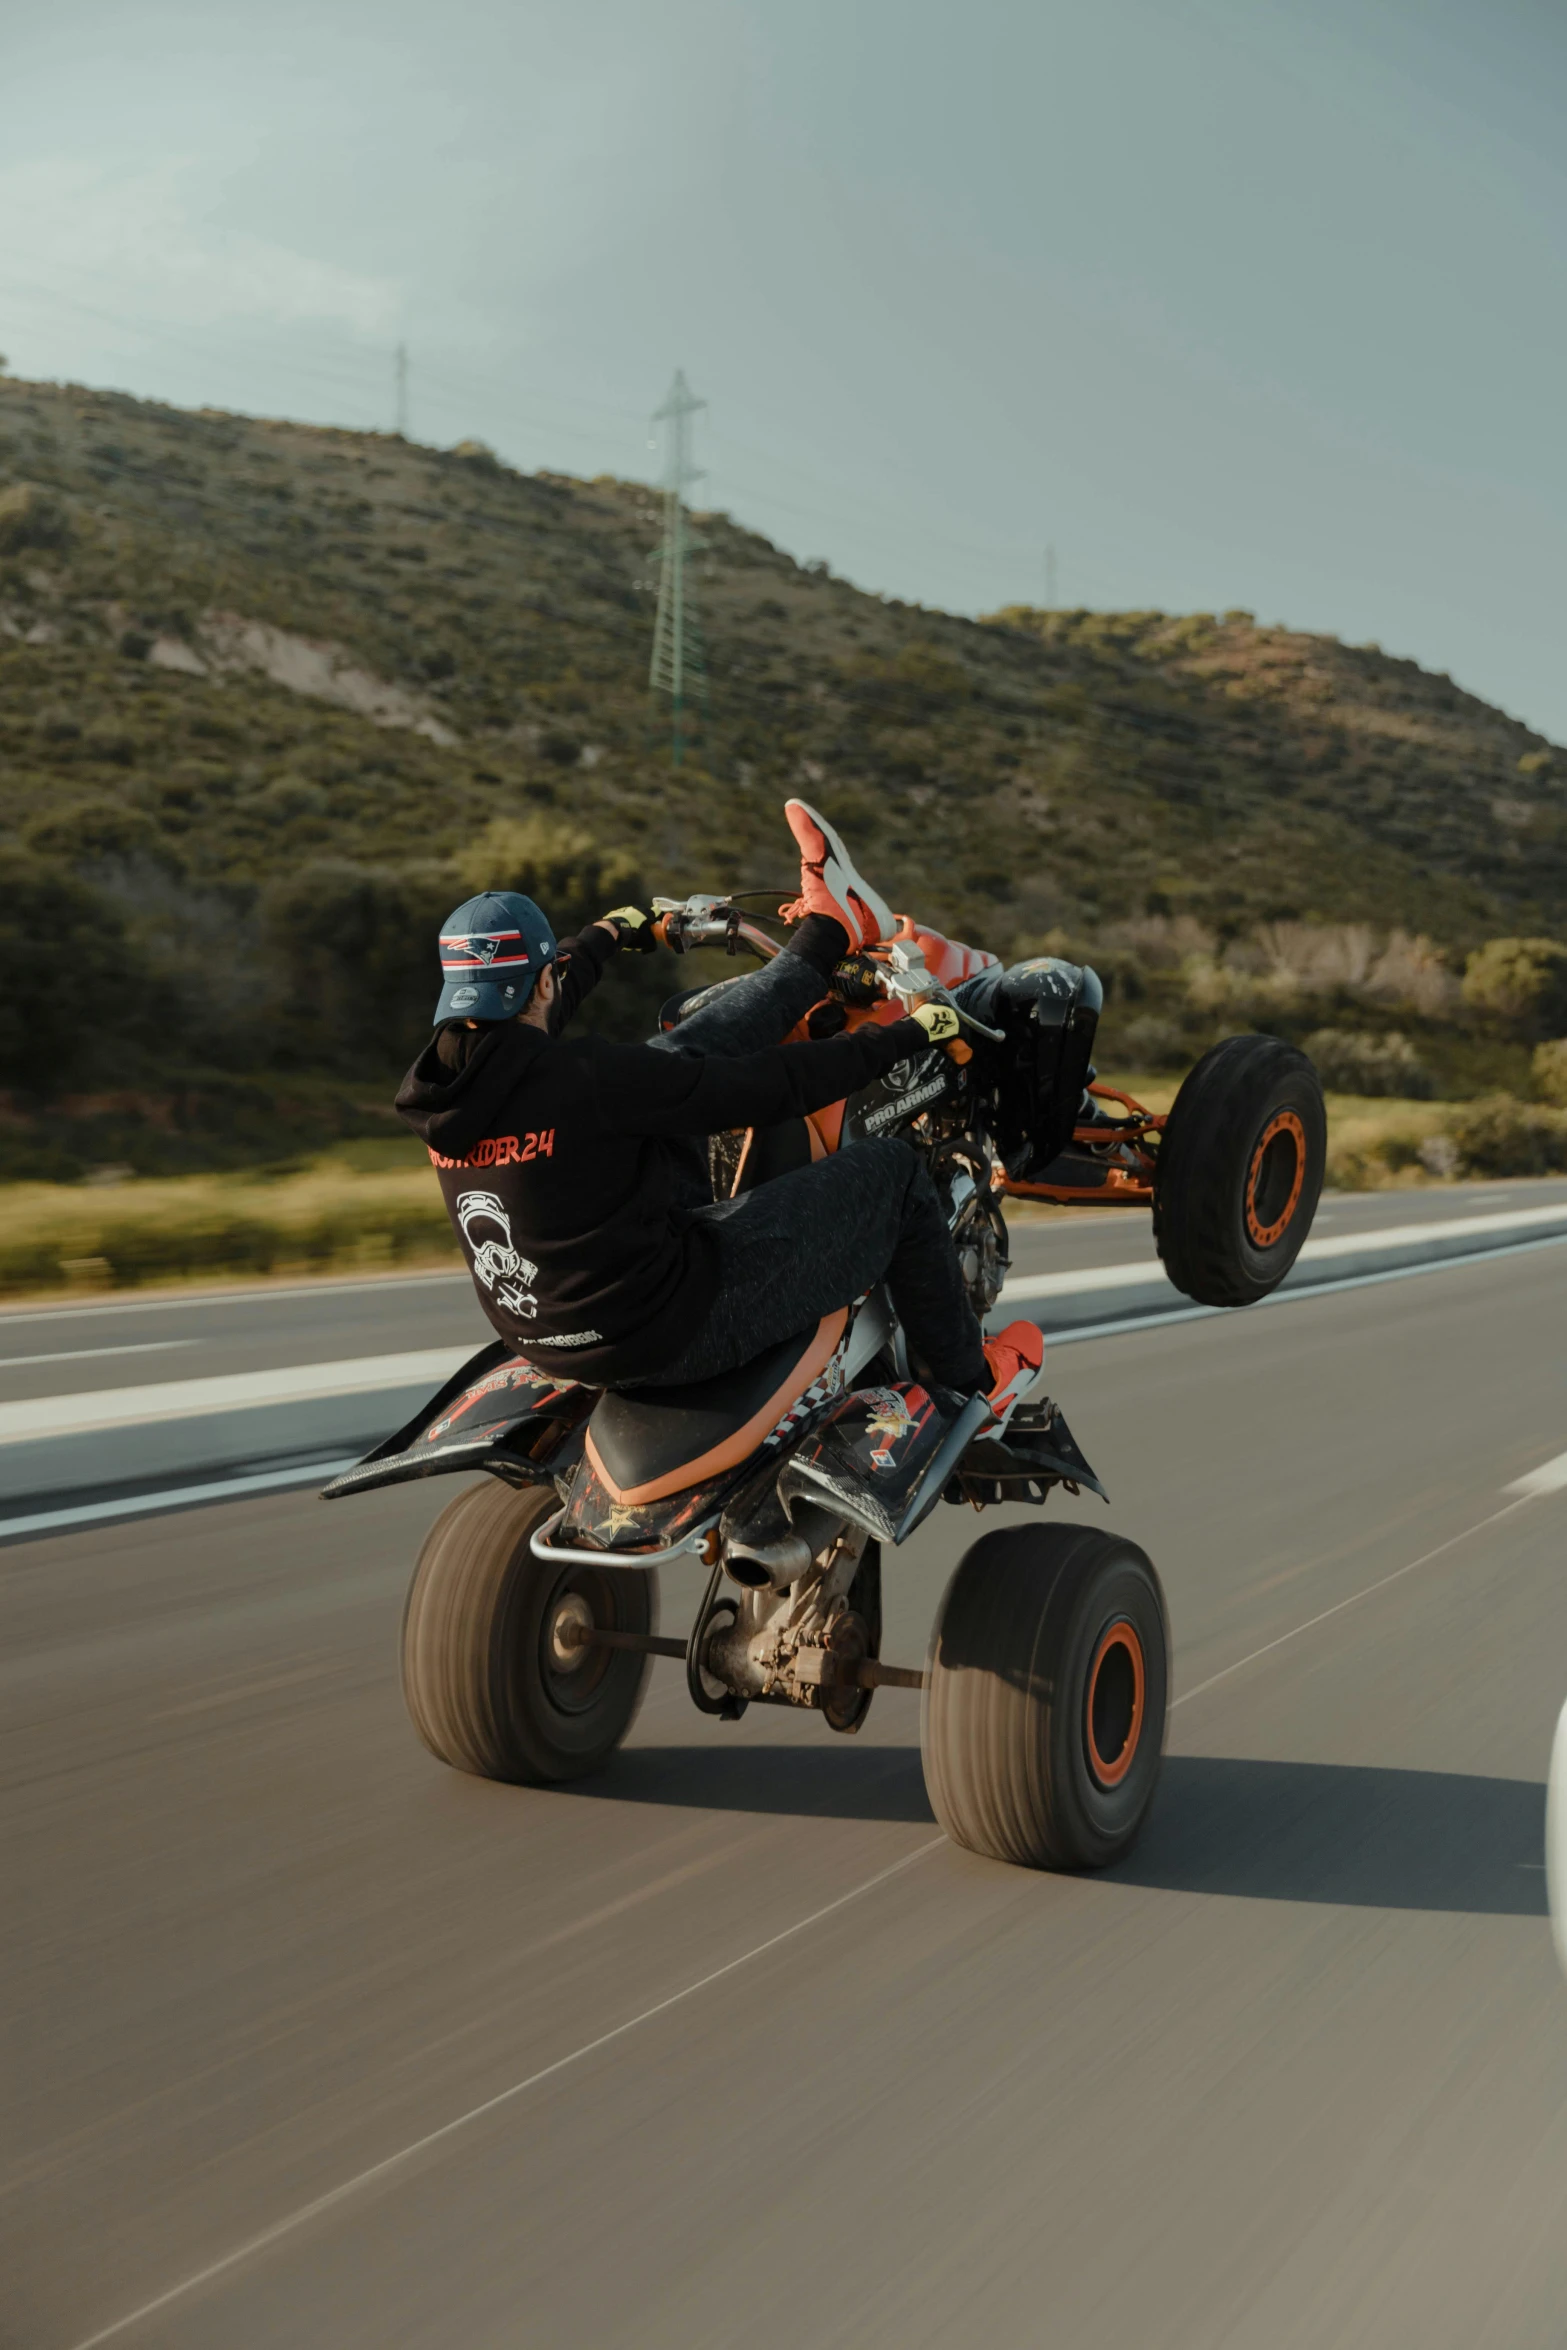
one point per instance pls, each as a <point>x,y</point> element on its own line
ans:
<point>800,1246</point>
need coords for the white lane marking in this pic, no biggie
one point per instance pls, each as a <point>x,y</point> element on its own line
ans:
<point>191,1300</point>
<point>182,1399</point>
<point>1302,1296</point>
<point>1339,1605</point>
<point>1150,1273</point>
<point>170,1497</point>
<point>1348,1244</point>
<point>380,2170</point>
<point>82,1354</point>
<point>1549,1477</point>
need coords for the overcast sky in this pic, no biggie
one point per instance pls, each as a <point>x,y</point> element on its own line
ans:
<point>1233,302</point>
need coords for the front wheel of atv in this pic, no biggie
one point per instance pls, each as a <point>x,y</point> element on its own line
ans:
<point>1045,1692</point>
<point>493,1677</point>
<point>1239,1170</point>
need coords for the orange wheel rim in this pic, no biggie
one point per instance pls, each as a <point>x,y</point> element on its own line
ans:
<point>1113,1720</point>
<point>1283,1128</point>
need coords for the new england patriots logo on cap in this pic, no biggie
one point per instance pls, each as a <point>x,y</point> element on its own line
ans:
<point>491,948</point>
<point>495,950</point>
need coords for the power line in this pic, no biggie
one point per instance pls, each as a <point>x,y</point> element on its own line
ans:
<point>352,369</point>
<point>350,372</point>
<point>400,371</point>
<point>677,667</point>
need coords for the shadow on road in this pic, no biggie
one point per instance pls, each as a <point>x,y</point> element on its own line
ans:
<point>1260,1831</point>
<point>1275,1831</point>
<point>839,1780</point>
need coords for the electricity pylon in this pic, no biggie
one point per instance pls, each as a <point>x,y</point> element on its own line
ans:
<point>677,667</point>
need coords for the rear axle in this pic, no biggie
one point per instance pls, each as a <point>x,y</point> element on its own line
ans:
<point>814,1668</point>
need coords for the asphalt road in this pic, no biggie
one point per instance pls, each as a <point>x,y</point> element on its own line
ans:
<point>729,2045</point>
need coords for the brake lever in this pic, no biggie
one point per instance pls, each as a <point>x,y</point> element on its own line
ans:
<point>996,1035</point>
<point>910,981</point>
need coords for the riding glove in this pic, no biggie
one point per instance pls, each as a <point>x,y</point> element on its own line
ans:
<point>632,928</point>
<point>939,1021</point>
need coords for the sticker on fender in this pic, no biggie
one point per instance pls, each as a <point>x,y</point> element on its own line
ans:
<point>890,1112</point>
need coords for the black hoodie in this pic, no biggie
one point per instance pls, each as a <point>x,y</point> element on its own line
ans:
<point>571,1180</point>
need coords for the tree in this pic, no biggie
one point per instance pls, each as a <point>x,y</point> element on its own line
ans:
<point>357,971</point>
<point>560,867</point>
<point>69,981</point>
<point>1520,981</point>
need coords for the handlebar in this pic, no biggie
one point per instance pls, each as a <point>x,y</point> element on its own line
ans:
<point>901,971</point>
<point>683,923</point>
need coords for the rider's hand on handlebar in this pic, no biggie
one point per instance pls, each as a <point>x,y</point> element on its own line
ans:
<point>632,927</point>
<point>939,1021</point>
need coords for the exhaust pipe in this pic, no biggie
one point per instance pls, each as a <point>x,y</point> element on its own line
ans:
<point>761,1566</point>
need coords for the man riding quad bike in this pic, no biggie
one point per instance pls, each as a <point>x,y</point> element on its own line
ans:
<point>769,1353</point>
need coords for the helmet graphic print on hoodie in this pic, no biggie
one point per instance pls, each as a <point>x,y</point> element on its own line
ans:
<point>502,1271</point>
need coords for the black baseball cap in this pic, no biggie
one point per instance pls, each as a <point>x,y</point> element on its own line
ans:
<point>492,950</point>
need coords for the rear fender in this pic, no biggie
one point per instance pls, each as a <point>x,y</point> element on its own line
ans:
<point>594,1519</point>
<point>598,1518</point>
<point>496,1413</point>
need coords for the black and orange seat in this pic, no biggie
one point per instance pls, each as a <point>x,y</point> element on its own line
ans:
<point>645,1443</point>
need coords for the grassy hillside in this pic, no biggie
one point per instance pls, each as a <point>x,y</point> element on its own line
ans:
<point>271,696</point>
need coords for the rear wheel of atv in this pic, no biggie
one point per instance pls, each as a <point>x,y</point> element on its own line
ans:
<point>1045,1692</point>
<point>1239,1170</point>
<point>493,1677</point>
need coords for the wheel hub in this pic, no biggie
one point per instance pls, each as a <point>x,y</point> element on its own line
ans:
<point>1275,1179</point>
<point>570,1623</point>
<point>1113,1716</point>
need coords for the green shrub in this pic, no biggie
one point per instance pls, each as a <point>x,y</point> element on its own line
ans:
<point>1350,1061</point>
<point>69,978</point>
<point>1501,1136</point>
<point>570,874</point>
<point>289,797</point>
<point>30,517</point>
<point>1152,1043</point>
<point>1549,1066</point>
<point>97,831</point>
<point>199,1240</point>
<point>356,963</point>
<point>1520,981</point>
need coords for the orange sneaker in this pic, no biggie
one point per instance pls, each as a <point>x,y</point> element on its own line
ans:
<point>829,883</point>
<point>1015,1357</point>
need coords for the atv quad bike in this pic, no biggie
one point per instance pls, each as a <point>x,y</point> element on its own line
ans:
<point>529,1627</point>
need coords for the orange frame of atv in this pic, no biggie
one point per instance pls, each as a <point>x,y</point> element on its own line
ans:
<point>950,961</point>
<point>1123,1186</point>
